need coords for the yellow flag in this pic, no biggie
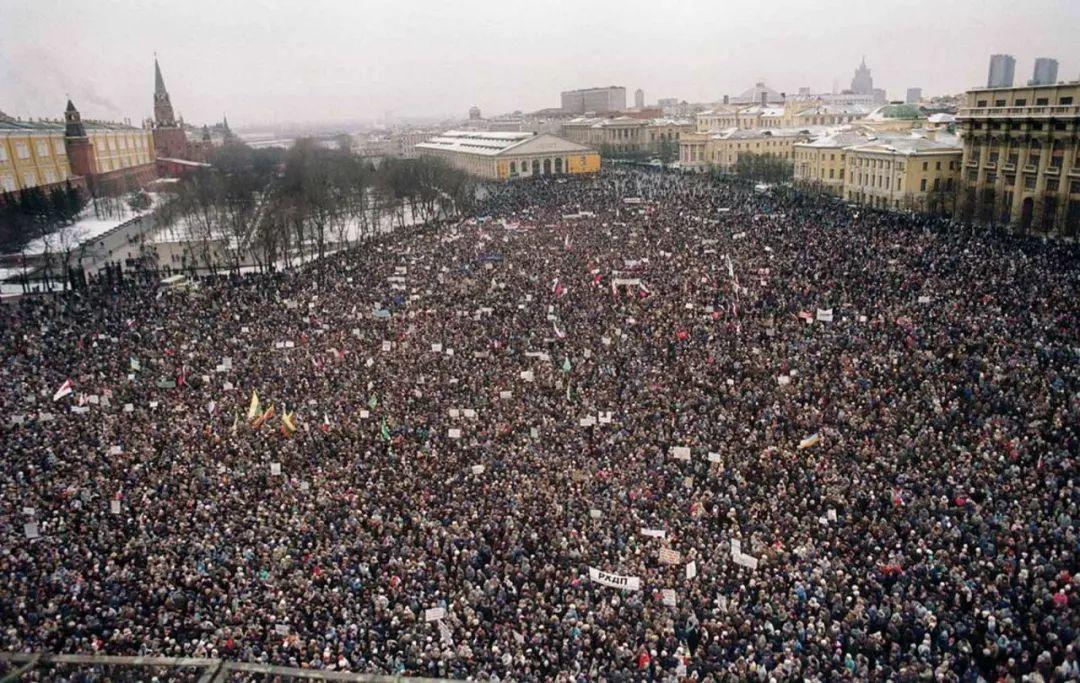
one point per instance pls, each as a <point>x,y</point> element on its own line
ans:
<point>287,423</point>
<point>253,409</point>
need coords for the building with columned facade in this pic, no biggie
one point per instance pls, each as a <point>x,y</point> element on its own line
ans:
<point>1020,165</point>
<point>508,155</point>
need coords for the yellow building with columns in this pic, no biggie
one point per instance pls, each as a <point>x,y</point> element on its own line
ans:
<point>903,174</point>
<point>721,150</point>
<point>1022,158</point>
<point>508,155</point>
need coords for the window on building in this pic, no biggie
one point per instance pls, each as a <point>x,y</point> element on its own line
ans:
<point>922,185</point>
<point>50,177</point>
<point>1065,101</point>
<point>1029,181</point>
<point>980,103</point>
<point>1021,102</point>
<point>7,182</point>
<point>58,147</point>
<point>29,179</point>
<point>999,103</point>
<point>937,166</point>
<point>22,150</point>
<point>926,164</point>
<point>42,148</point>
<point>1042,101</point>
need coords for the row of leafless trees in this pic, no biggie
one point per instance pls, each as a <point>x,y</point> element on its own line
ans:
<point>272,208</point>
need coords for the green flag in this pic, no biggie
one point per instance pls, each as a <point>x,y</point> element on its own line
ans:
<point>384,430</point>
<point>373,402</point>
<point>566,364</point>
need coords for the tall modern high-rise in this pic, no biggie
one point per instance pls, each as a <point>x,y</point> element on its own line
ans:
<point>913,96</point>
<point>639,98</point>
<point>1001,72</point>
<point>863,82</point>
<point>1045,72</point>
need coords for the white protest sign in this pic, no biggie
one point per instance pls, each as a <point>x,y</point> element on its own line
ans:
<point>736,547</point>
<point>477,469</point>
<point>746,561</point>
<point>783,380</point>
<point>116,450</point>
<point>534,432</point>
<point>505,394</point>
<point>594,513</point>
<point>469,412</point>
<point>924,299</point>
<point>364,414</point>
<point>275,468</point>
<point>825,315</point>
<point>454,433</point>
<point>386,346</point>
<point>668,596</point>
<point>669,556</point>
<point>281,629</point>
<point>691,569</point>
<point>527,375</point>
<point>831,515</point>
<point>454,412</point>
<point>630,583</point>
<point>680,452</point>
<point>30,529</point>
<point>653,533</point>
<point>437,348</point>
<point>587,421</point>
<point>714,457</point>
<point>114,506</point>
<point>605,417</point>
<point>434,613</point>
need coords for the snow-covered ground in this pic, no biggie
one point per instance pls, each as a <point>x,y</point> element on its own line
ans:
<point>86,228</point>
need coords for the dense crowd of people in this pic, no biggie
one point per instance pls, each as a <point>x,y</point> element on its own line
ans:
<point>825,443</point>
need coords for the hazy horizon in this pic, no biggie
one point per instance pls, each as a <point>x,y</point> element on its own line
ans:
<point>266,64</point>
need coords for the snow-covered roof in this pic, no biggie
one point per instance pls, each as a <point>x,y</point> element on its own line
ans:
<point>839,139</point>
<point>942,117</point>
<point>485,143</point>
<point>907,146</point>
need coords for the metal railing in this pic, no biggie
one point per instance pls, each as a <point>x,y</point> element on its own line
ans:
<point>28,666</point>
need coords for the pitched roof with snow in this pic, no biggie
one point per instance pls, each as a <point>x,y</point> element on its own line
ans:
<point>491,143</point>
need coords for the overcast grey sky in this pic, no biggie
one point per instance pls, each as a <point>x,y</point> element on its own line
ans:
<point>322,60</point>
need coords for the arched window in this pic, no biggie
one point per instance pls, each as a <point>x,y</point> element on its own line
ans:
<point>513,167</point>
<point>547,166</point>
<point>536,166</point>
<point>558,166</point>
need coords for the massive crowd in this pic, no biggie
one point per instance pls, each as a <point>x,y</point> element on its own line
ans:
<point>826,443</point>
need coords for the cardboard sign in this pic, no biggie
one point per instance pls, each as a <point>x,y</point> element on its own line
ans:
<point>434,613</point>
<point>668,595</point>
<point>680,452</point>
<point>669,556</point>
<point>629,583</point>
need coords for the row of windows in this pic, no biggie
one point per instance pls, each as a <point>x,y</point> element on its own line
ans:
<point>1022,102</point>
